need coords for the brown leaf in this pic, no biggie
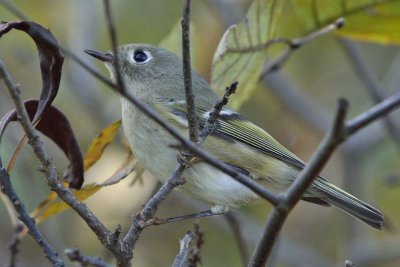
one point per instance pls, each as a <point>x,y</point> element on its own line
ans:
<point>56,126</point>
<point>51,60</point>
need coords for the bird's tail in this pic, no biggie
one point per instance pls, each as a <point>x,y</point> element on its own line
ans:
<point>350,204</point>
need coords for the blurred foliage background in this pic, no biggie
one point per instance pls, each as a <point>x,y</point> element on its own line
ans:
<point>320,72</point>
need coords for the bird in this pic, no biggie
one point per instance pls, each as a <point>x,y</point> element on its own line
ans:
<point>155,76</point>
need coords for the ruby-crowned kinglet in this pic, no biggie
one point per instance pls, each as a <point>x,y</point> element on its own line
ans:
<point>155,75</point>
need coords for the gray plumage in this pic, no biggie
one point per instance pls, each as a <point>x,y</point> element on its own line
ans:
<point>155,75</point>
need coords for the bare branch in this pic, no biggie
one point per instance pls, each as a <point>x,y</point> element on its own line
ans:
<point>19,229</point>
<point>182,258</point>
<point>236,230</point>
<point>64,50</point>
<point>195,250</point>
<point>52,178</point>
<point>293,194</point>
<point>296,100</point>
<point>379,110</point>
<point>74,254</point>
<point>293,44</point>
<point>148,212</point>
<point>314,114</point>
<point>213,116</point>
<point>13,9</point>
<point>339,132</point>
<point>187,75</point>
<point>371,83</point>
<point>240,177</point>
<point>7,189</point>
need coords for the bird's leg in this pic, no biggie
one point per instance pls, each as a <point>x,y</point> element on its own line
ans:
<point>214,211</point>
<point>187,159</point>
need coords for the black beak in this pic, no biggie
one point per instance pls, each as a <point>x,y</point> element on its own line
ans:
<point>105,57</point>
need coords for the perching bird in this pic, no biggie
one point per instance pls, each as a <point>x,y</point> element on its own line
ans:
<point>155,75</point>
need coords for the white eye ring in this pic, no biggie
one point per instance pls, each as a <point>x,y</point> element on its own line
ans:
<point>140,56</point>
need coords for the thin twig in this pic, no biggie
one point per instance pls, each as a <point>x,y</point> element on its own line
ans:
<point>379,110</point>
<point>114,45</point>
<point>240,177</point>
<point>293,194</point>
<point>151,208</point>
<point>195,258</point>
<point>13,246</point>
<point>293,96</point>
<point>339,132</point>
<point>295,99</point>
<point>174,180</point>
<point>371,83</point>
<point>7,189</point>
<point>182,258</point>
<point>240,240</point>
<point>187,75</point>
<point>13,9</point>
<point>52,178</point>
<point>146,217</point>
<point>293,44</point>
<point>75,254</point>
<point>68,53</point>
<point>214,114</point>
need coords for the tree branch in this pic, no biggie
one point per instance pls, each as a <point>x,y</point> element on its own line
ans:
<point>192,147</point>
<point>236,230</point>
<point>74,254</point>
<point>379,110</point>
<point>52,178</point>
<point>187,75</point>
<point>8,190</point>
<point>372,86</point>
<point>339,132</point>
<point>293,44</point>
<point>182,258</point>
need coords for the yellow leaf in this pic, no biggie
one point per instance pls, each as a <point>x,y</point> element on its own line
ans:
<point>52,204</point>
<point>383,24</point>
<point>243,50</point>
<point>55,205</point>
<point>96,148</point>
<point>46,202</point>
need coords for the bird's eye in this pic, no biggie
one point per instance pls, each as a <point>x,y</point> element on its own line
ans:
<point>140,56</point>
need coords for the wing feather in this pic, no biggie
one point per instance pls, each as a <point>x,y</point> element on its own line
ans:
<point>237,127</point>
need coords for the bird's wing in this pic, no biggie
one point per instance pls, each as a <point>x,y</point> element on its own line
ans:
<point>241,129</point>
<point>233,125</point>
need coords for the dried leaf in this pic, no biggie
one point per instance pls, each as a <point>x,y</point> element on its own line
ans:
<point>52,205</point>
<point>56,126</point>
<point>96,148</point>
<point>51,60</point>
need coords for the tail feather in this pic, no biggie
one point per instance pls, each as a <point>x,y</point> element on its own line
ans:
<point>351,204</point>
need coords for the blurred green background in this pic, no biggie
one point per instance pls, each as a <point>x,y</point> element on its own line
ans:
<point>320,72</point>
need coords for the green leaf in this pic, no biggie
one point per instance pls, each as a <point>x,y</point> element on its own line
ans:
<point>230,64</point>
<point>245,47</point>
<point>383,24</point>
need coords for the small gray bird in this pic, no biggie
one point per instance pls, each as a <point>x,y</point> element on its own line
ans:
<point>155,76</point>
